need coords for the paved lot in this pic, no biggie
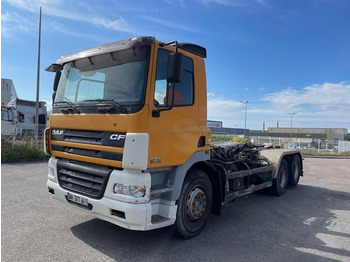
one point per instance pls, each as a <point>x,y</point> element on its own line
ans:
<point>309,223</point>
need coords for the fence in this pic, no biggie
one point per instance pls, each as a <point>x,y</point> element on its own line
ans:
<point>24,135</point>
<point>343,146</point>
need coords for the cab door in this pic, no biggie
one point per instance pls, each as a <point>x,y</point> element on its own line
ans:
<point>173,134</point>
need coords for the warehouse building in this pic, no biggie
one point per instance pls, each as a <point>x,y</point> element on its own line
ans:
<point>218,130</point>
<point>301,138</point>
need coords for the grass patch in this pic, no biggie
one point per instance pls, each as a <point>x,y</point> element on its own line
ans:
<point>236,139</point>
<point>220,139</point>
<point>23,151</point>
<point>322,153</point>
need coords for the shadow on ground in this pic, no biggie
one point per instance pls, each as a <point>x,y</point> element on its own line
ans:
<point>306,224</point>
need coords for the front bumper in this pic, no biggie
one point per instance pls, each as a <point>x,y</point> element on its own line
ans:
<point>124,211</point>
<point>135,214</point>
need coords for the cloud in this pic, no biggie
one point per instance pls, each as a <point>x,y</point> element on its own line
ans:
<point>58,9</point>
<point>117,24</point>
<point>171,24</point>
<point>48,104</point>
<point>220,106</point>
<point>263,3</point>
<point>14,22</point>
<point>176,2</point>
<point>58,27</point>
<point>319,105</point>
<point>235,3</point>
<point>321,95</point>
<point>224,2</point>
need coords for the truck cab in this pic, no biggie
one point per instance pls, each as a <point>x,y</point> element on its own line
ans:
<point>124,131</point>
<point>8,122</point>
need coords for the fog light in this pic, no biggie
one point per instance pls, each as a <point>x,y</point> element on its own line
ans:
<point>134,191</point>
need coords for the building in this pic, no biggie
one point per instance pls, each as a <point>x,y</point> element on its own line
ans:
<point>217,129</point>
<point>20,114</point>
<point>303,138</point>
<point>229,132</point>
<point>8,91</point>
<point>295,138</point>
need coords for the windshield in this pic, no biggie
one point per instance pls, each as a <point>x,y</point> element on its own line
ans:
<point>119,77</point>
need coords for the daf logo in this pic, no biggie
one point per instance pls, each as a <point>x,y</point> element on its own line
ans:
<point>57,132</point>
<point>117,137</point>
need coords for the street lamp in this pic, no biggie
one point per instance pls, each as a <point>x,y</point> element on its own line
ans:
<point>245,118</point>
<point>291,124</point>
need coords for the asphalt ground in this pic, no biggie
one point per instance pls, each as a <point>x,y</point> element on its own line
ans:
<point>308,223</point>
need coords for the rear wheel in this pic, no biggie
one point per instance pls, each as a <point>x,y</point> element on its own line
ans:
<point>194,204</point>
<point>280,183</point>
<point>295,171</point>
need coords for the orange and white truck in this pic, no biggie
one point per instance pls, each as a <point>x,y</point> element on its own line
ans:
<point>129,141</point>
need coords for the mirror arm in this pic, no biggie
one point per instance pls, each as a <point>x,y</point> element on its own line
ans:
<point>172,43</point>
<point>156,112</point>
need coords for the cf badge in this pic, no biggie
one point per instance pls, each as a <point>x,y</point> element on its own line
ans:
<point>117,137</point>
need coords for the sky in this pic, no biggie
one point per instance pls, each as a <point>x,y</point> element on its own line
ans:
<point>283,57</point>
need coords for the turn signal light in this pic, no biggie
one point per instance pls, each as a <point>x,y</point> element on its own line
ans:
<point>46,141</point>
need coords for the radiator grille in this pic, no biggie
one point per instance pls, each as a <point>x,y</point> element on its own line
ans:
<point>98,138</point>
<point>88,152</point>
<point>86,179</point>
<point>89,137</point>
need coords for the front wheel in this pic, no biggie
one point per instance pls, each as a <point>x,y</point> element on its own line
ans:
<point>280,183</point>
<point>194,204</point>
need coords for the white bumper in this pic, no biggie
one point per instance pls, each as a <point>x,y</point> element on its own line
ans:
<point>132,213</point>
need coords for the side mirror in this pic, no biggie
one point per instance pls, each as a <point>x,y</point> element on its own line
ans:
<point>174,72</point>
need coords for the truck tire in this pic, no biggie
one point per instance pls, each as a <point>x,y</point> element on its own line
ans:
<point>295,171</point>
<point>194,204</point>
<point>279,184</point>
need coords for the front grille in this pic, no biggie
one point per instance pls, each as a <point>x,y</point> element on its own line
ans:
<point>102,138</point>
<point>98,138</point>
<point>86,179</point>
<point>89,152</point>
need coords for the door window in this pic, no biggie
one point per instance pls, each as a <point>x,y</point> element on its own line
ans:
<point>164,90</point>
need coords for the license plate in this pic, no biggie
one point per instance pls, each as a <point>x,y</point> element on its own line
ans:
<point>77,199</point>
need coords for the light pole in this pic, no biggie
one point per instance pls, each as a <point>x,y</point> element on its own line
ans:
<point>245,117</point>
<point>291,124</point>
<point>38,84</point>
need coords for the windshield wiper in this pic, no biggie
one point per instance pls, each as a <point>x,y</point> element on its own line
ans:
<point>108,102</point>
<point>70,107</point>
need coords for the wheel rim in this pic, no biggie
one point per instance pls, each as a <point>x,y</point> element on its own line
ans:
<point>196,204</point>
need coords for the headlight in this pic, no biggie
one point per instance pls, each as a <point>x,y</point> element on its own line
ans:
<point>134,191</point>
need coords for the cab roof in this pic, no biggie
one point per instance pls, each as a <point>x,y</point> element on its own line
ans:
<point>121,45</point>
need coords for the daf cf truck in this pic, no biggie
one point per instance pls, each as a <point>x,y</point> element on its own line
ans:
<point>129,141</point>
